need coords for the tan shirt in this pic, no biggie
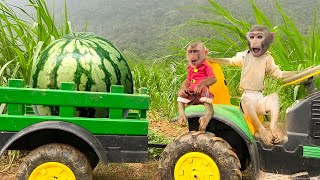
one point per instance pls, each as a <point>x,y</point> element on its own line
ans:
<point>254,69</point>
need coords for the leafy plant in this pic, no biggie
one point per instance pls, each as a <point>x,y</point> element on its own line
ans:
<point>156,138</point>
<point>22,40</point>
<point>163,82</point>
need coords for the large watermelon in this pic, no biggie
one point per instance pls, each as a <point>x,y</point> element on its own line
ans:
<point>91,62</point>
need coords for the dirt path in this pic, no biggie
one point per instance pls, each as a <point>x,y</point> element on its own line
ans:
<point>170,130</point>
<point>113,171</point>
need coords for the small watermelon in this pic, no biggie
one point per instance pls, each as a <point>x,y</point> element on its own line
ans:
<point>90,61</point>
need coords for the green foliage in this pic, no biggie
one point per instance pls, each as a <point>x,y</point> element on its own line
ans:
<point>22,40</point>
<point>156,138</point>
<point>163,81</point>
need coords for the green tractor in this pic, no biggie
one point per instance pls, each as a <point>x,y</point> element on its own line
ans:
<point>227,147</point>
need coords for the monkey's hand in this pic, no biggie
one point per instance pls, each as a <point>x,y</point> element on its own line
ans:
<point>198,89</point>
<point>183,92</point>
<point>182,120</point>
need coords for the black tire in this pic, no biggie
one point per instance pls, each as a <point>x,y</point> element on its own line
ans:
<point>61,153</point>
<point>216,148</point>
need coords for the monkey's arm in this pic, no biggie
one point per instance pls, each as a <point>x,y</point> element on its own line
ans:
<point>222,61</point>
<point>182,93</point>
<point>208,81</point>
<point>286,74</point>
<point>236,60</point>
<point>183,88</point>
<point>274,71</point>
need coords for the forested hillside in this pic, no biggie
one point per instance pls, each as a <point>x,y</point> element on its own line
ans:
<point>147,28</point>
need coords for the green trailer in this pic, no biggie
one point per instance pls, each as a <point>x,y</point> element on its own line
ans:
<point>69,147</point>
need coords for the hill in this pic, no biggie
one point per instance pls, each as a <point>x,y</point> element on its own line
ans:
<point>146,28</point>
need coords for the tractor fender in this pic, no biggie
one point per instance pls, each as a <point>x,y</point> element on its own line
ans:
<point>233,125</point>
<point>227,114</point>
<point>63,126</point>
<point>252,146</point>
<point>254,155</point>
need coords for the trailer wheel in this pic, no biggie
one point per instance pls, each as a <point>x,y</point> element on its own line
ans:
<point>55,161</point>
<point>199,155</point>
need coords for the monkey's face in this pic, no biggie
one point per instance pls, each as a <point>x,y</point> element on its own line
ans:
<point>258,42</point>
<point>195,56</point>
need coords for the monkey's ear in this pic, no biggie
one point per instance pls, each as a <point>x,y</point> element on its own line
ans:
<point>206,51</point>
<point>272,35</point>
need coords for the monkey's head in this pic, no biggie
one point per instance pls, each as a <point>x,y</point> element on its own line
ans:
<point>259,39</point>
<point>196,53</point>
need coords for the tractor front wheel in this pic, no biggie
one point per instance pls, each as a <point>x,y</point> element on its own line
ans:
<point>55,161</point>
<point>199,155</point>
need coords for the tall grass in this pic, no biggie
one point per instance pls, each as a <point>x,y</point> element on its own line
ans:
<point>163,81</point>
<point>22,40</point>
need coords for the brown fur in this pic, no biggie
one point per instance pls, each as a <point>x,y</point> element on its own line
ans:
<point>269,37</point>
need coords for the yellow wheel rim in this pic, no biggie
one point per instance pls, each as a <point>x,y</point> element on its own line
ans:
<point>52,171</point>
<point>196,166</point>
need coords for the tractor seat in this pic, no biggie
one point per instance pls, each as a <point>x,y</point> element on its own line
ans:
<point>219,89</point>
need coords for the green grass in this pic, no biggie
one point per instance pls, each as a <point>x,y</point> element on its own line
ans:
<point>22,40</point>
<point>163,82</point>
<point>156,138</point>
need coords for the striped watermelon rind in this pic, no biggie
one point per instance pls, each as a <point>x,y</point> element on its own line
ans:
<point>90,61</point>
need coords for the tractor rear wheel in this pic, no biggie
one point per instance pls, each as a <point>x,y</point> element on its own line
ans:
<point>199,155</point>
<point>55,161</point>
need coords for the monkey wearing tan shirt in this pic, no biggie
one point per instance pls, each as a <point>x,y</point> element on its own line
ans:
<point>256,63</point>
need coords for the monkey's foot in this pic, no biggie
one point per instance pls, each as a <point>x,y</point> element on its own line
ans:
<point>278,135</point>
<point>204,121</point>
<point>265,136</point>
<point>182,120</point>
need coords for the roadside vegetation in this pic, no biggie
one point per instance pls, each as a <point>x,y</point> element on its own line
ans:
<point>23,39</point>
